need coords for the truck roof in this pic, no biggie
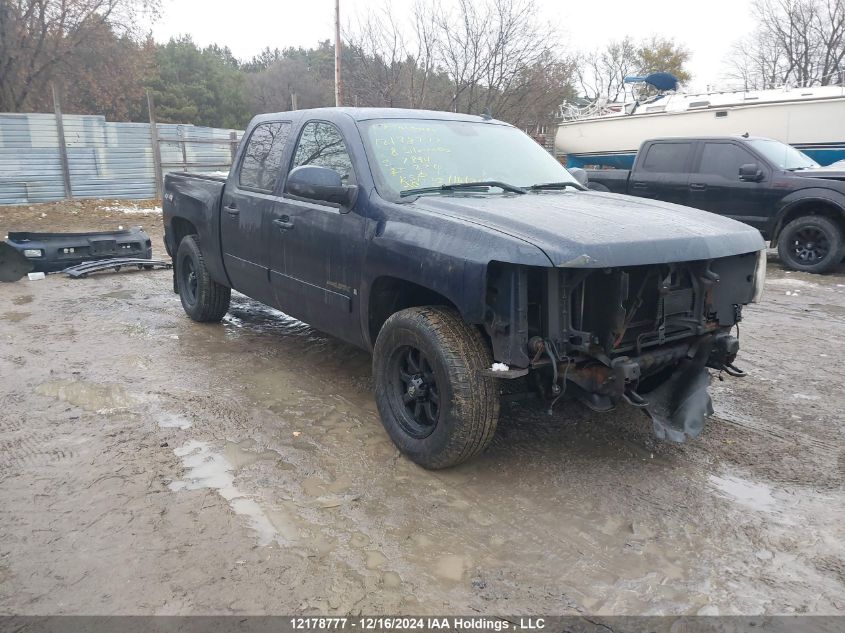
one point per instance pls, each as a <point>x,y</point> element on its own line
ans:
<point>728,137</point>
<point>366,114</point>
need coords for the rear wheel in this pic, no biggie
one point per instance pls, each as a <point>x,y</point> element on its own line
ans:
<point>203,299</point>
<point>434,403</point>
<point>812,244</point>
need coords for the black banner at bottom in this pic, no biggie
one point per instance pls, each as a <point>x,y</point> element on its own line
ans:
<point>422,624</point>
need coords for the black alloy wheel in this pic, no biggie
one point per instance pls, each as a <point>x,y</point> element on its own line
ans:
<point>812,244</point>
<point>415,385</point>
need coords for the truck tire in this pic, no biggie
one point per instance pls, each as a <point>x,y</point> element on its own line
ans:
<point>434,403</point>
<point>203,299</point>
<point>812,244</point>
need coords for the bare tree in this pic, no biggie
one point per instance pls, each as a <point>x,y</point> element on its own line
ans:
<point>601,74</point>
<point>39,37</point>
<point>379,50</point>
<point>488,49</point>
<point>469,56</point>
<point>799,42</point>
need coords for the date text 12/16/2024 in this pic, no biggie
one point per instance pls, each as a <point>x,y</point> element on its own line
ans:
<point>382,623</point>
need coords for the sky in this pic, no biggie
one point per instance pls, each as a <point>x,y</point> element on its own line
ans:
<point>707,29</point>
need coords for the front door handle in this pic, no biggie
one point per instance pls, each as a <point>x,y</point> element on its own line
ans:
<point>697,186</point>
<point>231,209</point>
<point>639,185</point>
<point>284,223</point>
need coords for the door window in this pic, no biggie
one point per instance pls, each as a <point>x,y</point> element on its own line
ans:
<point>724,159</point>
<point>321,144</point>
<point>667,158</point>
<point>262,160</point>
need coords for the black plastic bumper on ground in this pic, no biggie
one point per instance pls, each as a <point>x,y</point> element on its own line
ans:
<point>50,252</point>
<point>83,270</point>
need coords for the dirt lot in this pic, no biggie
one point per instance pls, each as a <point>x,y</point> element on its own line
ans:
<point>151,465</point>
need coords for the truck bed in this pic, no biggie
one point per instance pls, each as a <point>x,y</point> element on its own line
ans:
<point>195,197</point>
<point>616,180</point>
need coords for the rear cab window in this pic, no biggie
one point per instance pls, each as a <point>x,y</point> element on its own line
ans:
<point>668,158</point>
<point>262,161</point>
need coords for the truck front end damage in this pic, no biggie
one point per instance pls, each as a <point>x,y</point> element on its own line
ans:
<point>643,334</point>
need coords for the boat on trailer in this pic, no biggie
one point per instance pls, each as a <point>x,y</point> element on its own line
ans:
<point>609,135</point>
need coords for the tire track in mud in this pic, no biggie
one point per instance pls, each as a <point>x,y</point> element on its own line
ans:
<point>24,448</point>
<point>780,433</point>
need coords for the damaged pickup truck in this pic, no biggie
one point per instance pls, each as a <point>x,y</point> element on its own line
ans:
<point>463,255</point>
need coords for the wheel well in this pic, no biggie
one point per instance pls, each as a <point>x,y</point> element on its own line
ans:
<point>181,228</point>
<point>811,207</point>
<point>391,294</point>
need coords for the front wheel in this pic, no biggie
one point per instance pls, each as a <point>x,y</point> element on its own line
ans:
<point>433,401</point>
<point>811,244</point>
<point>203,299</point>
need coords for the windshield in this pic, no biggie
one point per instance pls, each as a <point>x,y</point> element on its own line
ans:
<point>783,155</point>
<point>410,154</point>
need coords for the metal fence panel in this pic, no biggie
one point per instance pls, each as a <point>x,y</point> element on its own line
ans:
<point>105,159</point>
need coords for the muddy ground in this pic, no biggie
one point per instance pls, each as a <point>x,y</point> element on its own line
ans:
<point>151,465</point>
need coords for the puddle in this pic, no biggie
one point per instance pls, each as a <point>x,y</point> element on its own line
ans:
<point>16,317</point>
<point>205,468</point>
<point>22,300</point>
<point>751,494</point>
<point>283,520</point>
<point>375,559</point>
<point>450,567</point>
<point>239,454</point>
<point>88,395</point>
<point>391,580</point>
<point>173,421</point>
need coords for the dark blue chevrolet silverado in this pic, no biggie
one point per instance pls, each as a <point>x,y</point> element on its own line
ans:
<point>463,255</point>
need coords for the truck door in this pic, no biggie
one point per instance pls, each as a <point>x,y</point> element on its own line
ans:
<point>248,198</point>
<point>663,173</point>
<point>715,185</point>
<point>317,247</point>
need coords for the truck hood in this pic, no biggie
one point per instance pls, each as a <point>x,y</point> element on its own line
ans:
<point>592,229</point>
<point>830,173</point>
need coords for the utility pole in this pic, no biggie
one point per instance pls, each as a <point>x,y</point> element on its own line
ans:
<point>60,134</point>
<point>338,81</point>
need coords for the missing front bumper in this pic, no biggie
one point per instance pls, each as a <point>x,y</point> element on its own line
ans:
<point>669,384</point>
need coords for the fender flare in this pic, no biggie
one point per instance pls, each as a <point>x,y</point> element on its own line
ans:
<point>815,194</point>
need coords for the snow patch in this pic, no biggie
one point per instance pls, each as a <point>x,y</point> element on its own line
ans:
<point>172,421</point>
<point>751,494</point>
<point>131,209</point>
<point>500,367</point>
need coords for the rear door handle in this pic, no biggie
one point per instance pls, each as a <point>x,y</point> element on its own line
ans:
<point>639,185</point>
<point>697,186</point>
<point>231,209</point>
<point>284,223</point>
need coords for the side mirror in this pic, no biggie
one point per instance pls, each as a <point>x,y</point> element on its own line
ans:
<point>580,175</point>
<point>319,183</point>
<point>750,172</point>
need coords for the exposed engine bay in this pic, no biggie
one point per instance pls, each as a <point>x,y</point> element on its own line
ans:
<point>645,335</point>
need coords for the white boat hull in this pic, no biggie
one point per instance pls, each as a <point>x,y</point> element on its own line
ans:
<point>816,127</point>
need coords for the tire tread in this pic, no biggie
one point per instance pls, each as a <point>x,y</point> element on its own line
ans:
<point>212,298</point>
<point>465,354</point>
